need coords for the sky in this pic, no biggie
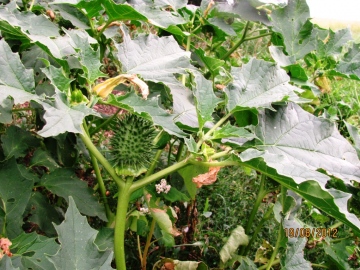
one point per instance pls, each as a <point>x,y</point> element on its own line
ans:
<point>345,10</point>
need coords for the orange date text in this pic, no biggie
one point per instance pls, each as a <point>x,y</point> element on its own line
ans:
<point>313,232</point>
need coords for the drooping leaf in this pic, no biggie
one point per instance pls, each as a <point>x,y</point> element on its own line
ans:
<point>236,239</point>
<point>43,213</point>
<point>293,258</point>
<point>148,109</point>
<point>64,183</point>
<point>13,73</point>
<point>257,85</point>
<point>292,23</point>
<point>240,9</point>
<point>228,130</point>
<point>159,60</point>
<point>58,77</point>
<point>206,100</point>
<point>294,146</point>
<point>78,250</point>
<point>33,250</point>
<point>6,106</point>
<point>164,221</point>
<point>354,134</point>
<point>212,64</point>
<point>350,64</point>
<point>334,43</point>
<point>89,8</point>
<point>61,118</point>
<point>188,173</point>
<point>87,56</point>
<point>15,193</point>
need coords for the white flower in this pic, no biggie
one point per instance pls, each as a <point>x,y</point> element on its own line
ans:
<point>144,210</point>
<point>163,187</point>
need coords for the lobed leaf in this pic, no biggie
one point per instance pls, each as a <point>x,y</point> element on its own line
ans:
<point>292,23</point>
<point>293,258</point>
<point>78,250</point>
<point>294,146</point>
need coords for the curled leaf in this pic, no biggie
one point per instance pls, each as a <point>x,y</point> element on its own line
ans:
<point>206,178</point>
<point>105,88</point>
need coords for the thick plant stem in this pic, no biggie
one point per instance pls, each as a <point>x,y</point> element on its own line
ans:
<point>275,262</point>
<point>151,178</point>
<point>147,245</point>
<point>237,44</point>
<point>262,192</point>
<point>120,224</point>
<point>153,163</point>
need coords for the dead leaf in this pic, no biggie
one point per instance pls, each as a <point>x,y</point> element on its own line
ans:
<point>206,178</point>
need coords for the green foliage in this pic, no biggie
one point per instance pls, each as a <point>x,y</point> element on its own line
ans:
<point>196,100</point>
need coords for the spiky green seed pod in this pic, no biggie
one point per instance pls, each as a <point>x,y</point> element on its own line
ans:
<point>132,146</point>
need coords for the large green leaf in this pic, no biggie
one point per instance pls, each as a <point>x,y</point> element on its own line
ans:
<point>292,23</point>
<point>293,259</point>
<point>78,250</point>
<point>32,249</point>
<point>294,146</point>
<point>58,77</point>
<point>206,100</point>
<point>13,72</point>
<point>61,118</point>
<point>6,263</point>
<point>159,60</point>
<point>257,85</point>
<point>149,109</point>
<point>64,183</point>
<point>15,193</point>
<point>89,8</point>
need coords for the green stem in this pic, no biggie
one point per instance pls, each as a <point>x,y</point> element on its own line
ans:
<point>319,266</point>
<point>280,232</point>
<point>120,224</point>
<point>215,164</point>
<point>105,122</point>
<point>336,225</point>
<point>154,163</point>
<point>179,151</point>
<point>237,44</point>
<point>109,214</point>
<point>147,245</point>
<point>261,194</point>
<point>161,174</point>
<point>266,217</point>
<point>94,151</point>
<point>208,134</point>
<point>276,249</point>
<point>259,36</point>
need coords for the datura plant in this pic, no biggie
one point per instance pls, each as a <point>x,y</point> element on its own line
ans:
<point>115,114</point>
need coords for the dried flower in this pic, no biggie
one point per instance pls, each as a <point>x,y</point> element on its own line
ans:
<point>162,187</point>
<point>5,244</point>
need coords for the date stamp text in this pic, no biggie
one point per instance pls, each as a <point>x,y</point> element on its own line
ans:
<point>313,232</point>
